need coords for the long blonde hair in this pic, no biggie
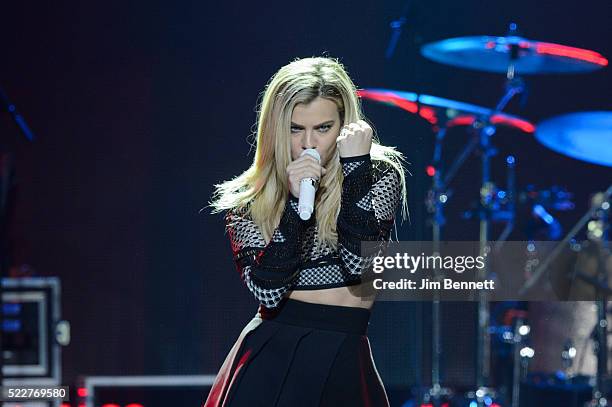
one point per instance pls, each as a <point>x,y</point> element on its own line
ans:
<point>263,188</point>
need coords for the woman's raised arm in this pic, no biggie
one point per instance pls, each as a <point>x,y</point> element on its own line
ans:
<point>367,211</point>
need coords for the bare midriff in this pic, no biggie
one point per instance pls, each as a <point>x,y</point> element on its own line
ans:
<point>350,296</point>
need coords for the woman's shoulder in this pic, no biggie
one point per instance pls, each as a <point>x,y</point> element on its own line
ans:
<point>241,211</point>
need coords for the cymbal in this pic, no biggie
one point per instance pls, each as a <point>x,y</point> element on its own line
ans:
<point>586,136</point>
<point>434,109</point>
<point>495,54</point>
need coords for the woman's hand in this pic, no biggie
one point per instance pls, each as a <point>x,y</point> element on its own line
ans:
<point>305,166</point>
<point>355,139</point>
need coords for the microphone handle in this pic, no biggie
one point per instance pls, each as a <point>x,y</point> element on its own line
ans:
<point>306,199</point>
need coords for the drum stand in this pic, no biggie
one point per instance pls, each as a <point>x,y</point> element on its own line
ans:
<point>485,128</point>
<point>514,86</point>
<point>599,396</point>
<point>602,290</point>
<point>435,201</point>
<point>436,198</point>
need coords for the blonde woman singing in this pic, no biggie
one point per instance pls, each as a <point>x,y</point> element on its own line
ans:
<point>308,344</point>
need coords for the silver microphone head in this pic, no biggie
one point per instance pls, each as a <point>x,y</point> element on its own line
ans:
<point>313,153</point>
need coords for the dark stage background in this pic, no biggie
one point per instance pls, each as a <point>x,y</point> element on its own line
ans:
<point>140,108</point>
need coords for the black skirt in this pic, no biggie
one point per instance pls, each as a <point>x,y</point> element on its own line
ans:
<point>302,354</point>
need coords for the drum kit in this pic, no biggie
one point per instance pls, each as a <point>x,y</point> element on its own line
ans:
<point>585,136</point>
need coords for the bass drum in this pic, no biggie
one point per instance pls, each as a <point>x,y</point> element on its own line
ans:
<point>561,325</point>
<point>558,326</point>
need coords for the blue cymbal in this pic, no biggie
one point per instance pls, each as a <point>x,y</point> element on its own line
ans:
<point>497,54</point>
<point>586,136</point>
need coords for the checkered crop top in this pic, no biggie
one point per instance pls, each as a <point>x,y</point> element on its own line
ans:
<point>294,259</point>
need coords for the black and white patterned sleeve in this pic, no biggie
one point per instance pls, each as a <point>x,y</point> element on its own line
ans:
<point>367,210</point>
<point>267,270</point>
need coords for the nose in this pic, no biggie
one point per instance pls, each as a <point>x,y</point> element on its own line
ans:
<point>308,140</point>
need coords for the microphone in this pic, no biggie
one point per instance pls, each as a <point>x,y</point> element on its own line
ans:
<point>308,189</point>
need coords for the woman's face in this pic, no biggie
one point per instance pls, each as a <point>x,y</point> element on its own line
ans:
<point>315,125</point>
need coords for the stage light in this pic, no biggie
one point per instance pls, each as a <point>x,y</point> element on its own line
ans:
<point>524,330</point>
<point>570,353</point>
<point>527,352</point>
